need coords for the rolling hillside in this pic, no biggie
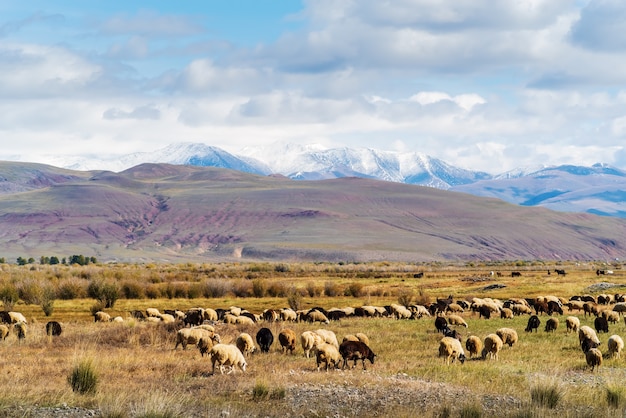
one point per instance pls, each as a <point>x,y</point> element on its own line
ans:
<point>160,212</point>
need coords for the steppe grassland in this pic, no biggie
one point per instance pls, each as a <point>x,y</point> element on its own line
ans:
<point>140,373</point>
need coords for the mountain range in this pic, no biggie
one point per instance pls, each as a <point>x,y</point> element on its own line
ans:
<point>180,213</point>
<point>599,189</point>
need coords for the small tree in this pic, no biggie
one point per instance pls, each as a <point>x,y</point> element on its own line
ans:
<point>9,295</point>
<point>105,292</point>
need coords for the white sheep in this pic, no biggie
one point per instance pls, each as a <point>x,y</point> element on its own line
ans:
<point>227,355</point>
<point>400,312</point>
<point>153,312</point>
<point>615,345</point>
<point>186,336</point>
<point>419,311</point>
<point>117,319</point>
<point>327,353</point>
<point>451,349</point>
<point>245,344</point>
<point>587,333</point>
<point>167,318</point>
<point>456,320</point>
<point>507,335</point>
<point>328,336</point>
<point>594,358</point>
<point>316,316</point>
<point>288,314</point>
<point>17,317</point>
<point>230,319</point>
<point>572,323</point>
<point>209,315</point>
<point>235,310</point>
<point>611,316</point>
<point>244,320</point>
<point>474,345</point>
<point>506,313</point>
<point>309,340</point>
<point>101,317</point>
<point>492,346</point>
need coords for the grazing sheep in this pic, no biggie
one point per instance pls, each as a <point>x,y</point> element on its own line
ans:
<point>153,312</point>
<point>601,324</point>
<point>316,316</point>
<point>167,318</point>
<point>17,317</point>
<point>210,315</point>
<point>287,314</point>
<point>593,357</point>
<point>287,340</point>
<point>455,308</point>
<point>590,308</point>
<point>620,308</point>
<point>587,333</point>
<point>245,344</point>
<point>456,320</point>
<point>227,355</point>
<point>451,349</point>
<point>230,319</point>
<point>610,316</point>
<point>193,317</point>
<point>533,323</point>
<point>328,336</point>
<point>575,304</point>
<point>327,353</point>
<point>186,336</point>
<point>572,323</point>
<point>206,344</point>
<point>552,324</point>
<point>53,329</point>
<point>101,317</point>
<point>419,311</point>
<point>309,340</point>
<point>264,338</point>
<point>356,350</point>
<point>615,345</point>
<point>521,309</point>
<point>474,345</point>
<point>441,323</point>
<point>117,319</point>
<point>492,346</point>
<point>506,313</point>
<point>244,320</point>
<point>507,335</point>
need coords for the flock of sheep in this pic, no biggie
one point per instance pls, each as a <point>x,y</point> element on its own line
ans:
<point>448,314</point>
<point>450,348</point>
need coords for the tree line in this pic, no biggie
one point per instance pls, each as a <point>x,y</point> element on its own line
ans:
<point>79,259</point>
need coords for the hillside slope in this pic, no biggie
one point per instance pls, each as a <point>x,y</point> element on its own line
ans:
<point>160,212</point>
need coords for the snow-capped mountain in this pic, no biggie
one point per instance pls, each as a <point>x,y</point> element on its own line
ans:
<point>599,189</point>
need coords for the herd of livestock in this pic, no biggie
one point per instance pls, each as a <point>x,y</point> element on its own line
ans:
<point>198,328</point>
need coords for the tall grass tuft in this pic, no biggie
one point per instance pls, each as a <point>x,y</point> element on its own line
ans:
<point>261,392</point>
<point>471,411</point>
<point>83,378</point>
<point>615,396</point>
<point>547,395</point>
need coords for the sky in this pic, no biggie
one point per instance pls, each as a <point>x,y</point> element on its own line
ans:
<point>489,85</point>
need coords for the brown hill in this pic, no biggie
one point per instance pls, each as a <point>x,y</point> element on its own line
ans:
<point>159,212</point>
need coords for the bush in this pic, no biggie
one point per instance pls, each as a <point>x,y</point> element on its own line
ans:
<point>354,289</point>
<point>277,290</point>
<point>313,290</point>
<point>215,288</point>
<point>331,289</point>
<point>72,288</point>
<point>405,297</point>
<point>294,299</point>
<point>242,289</point>
<point>133,290</point>
<point>259,288</point>
<point>83,378</point>
<point>8,295</point>
<point>546,395</point>
<point>105,292</point>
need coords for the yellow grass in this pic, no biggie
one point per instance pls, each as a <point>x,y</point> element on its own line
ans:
<point>140,374</point>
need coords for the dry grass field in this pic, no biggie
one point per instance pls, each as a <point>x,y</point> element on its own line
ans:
<point>139,374</point>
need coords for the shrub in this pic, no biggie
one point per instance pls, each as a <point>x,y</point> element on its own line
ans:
<point>153,291</point>
<point>354,289</point>
<point>259,288</point>
<point>471,411</point>
<point>546,395</point>
<point>277,290</point>
<point>281,268</point>
<point>8,295</point>
<point>133,290</point>
<point>405,297</point>
<point>215,288</point>
<point>312,290</point>
<point>72,288</point>
<point>105,292</point>
<point>48,295</point>
<point>294,299</point>
<point>260,391</point>
<point>96,307</point>
<point>242,289</point>
<point>83,378</point>
<point>331,289</point>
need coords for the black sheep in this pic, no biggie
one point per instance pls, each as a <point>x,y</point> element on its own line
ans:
<point>265,338</point>
<point>533,323</point>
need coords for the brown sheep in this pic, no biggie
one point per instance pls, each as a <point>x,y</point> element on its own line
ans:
<point>474,345</point>
<point>287,340</point>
